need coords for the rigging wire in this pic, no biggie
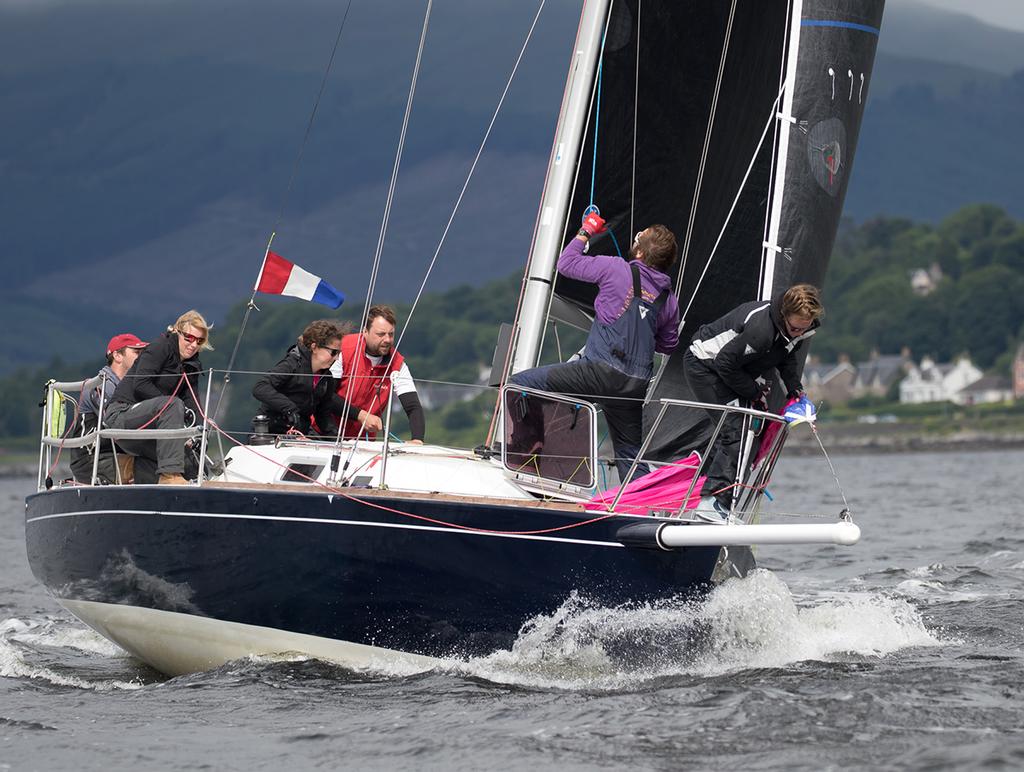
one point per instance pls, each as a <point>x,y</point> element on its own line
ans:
<point>312,117</point>
<point>835,475</point>
<point>597,106</point>
<point>340,491</point>
<point>375,268</point>
<point>753,158</point>
<point>398,160</point>
<point>636,108</point>
<point>592,207</point>
<point>656,381</point>
<point>472,169</point>
<point>284,201</point>
<point>578,167</point>
<point>597,121</point>
<point>707,145</point>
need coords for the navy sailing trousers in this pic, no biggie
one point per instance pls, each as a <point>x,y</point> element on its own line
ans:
<point>600,383</point>
<point>707,386</point>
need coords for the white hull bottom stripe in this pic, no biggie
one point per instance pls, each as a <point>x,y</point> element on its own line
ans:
<point>176,644</point>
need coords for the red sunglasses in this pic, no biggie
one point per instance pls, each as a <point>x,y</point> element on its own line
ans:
<point>192,338</point>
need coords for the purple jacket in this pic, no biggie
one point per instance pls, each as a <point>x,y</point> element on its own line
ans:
<point>614,281</point>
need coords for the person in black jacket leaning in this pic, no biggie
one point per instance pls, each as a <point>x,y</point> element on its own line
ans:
<point>300,387</point>
<point>726,364</point>
<point>154,394</point>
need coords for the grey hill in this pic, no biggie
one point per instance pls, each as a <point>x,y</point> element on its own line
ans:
<point>147,148</point>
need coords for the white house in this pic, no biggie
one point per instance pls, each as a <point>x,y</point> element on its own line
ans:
<point>990,388</point>
<point>931,382</point>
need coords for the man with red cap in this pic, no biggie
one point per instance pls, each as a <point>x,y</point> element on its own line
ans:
<point>122,351</point>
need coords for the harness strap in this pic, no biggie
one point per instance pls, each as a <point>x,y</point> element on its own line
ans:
<point>659,301</point>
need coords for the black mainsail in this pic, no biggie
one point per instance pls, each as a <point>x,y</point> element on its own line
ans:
<point>734,124</point>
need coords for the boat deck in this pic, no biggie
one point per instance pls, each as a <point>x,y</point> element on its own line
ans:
<point>367,493</point>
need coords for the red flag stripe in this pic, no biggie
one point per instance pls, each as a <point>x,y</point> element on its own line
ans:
<point>276,271</point>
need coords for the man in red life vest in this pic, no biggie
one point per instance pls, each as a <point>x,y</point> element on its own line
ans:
<point>366,370</point>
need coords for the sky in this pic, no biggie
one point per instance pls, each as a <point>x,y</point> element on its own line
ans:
<point>1000,13</point>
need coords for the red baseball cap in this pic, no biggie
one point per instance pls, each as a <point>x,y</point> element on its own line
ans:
<point>124,340</point>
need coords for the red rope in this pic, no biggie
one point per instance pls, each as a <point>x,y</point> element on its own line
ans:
<point>169,400</point>
<point>423,518</point>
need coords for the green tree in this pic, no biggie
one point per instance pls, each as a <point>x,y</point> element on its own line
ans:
<point>975,223</point>
<point>987,310</point>
<point>1009,252</point>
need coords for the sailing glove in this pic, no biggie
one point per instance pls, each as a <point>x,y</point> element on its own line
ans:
<point>795,393</point>
<point>293,419</point>
<point>593,224</point>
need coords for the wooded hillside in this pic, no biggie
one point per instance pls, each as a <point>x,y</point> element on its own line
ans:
<point>976,257</point>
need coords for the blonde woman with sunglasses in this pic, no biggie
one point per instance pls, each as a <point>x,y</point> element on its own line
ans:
<point>156,391</point>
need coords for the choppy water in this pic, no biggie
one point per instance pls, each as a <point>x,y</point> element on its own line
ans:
<point>904,652</point>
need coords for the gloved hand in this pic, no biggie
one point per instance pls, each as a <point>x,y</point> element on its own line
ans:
<point>796,393</point>
<point>293,419</point>
<point>760,402</point>
<point>593,224</point>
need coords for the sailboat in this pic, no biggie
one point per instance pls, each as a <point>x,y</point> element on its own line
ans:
<point>735,124</point>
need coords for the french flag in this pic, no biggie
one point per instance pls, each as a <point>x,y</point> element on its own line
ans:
<point>281,277</point>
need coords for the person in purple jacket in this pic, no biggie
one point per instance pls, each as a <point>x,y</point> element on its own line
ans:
<point>636,315</point>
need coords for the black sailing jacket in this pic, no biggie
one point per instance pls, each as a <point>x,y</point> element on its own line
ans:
<point>157,373</point>
<point>748,342</point>
<point>289,386</point>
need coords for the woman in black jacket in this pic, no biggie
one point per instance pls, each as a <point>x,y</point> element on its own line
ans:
<point>154,394</point>
<point>300,388</point>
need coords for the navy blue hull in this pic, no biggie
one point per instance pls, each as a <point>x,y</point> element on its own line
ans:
<point>343,569</point>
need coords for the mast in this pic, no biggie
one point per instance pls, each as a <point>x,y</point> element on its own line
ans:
<point>785,119</point>
<point>558,184</point>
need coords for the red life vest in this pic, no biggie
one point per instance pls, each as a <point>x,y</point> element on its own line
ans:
<point>371,387</point>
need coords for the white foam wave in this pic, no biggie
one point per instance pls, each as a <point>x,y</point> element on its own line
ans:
<point>397,666</point>
<point>922,572</point>
<point>743,624</point>
<point>757,623</point>
<point>69,637</point>
<point>936,591</point>
<point>13,663</point>
<point>1000,560</point>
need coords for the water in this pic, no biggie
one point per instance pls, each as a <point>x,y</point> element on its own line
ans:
<point>903,652</point>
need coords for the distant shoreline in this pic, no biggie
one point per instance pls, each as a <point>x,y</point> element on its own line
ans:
<point>17,469</point>
<point>848,439</point>
<point>838,439</point>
